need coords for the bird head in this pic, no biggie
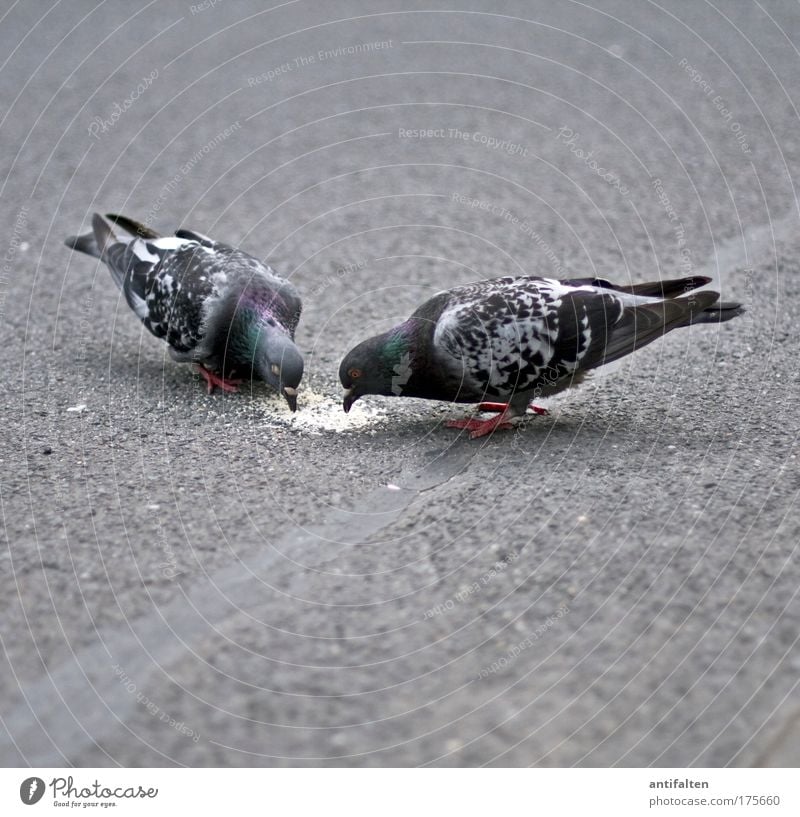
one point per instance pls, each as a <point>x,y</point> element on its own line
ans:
<point>380,365</point>
<point>280,364</point>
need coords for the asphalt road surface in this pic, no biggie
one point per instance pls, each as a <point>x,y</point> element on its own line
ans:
<point>198,580</point>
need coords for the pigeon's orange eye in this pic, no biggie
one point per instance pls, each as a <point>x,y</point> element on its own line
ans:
<point>355,373</point>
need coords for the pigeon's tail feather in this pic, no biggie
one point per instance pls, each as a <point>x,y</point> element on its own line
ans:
<point>133,227</point>
<point>103,234</point>
<point>671,288</point>
<point>719,312</point>
<point>94,243</point>
<point>83,243</point>
<point>644,323</point>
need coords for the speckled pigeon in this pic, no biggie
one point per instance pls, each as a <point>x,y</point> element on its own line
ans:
<point>511,340</point>
<point>216,306</point>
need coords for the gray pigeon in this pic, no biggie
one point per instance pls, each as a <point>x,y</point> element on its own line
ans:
<point>511,340</point>
<point>215,306</point>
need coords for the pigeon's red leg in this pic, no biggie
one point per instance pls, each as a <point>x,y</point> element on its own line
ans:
<point>214,380</point>
<point>503,406</point>
<point>480,428</point>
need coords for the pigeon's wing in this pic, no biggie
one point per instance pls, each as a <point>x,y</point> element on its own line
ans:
<point>640,320</point>
<point>132,226</point>
<point>669,288</point>
<point>513,335</point>
<point>499,335</point>
<point>168,283</point>
<point>140,230</point>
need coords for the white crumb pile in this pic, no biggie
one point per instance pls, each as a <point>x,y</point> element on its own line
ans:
<point>318,413</point>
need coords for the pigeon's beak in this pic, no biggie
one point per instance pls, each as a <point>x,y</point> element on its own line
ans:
<point>291,397</point>
<point>349,399</point>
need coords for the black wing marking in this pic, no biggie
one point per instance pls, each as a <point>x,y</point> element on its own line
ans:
<point>203,240</point>
<point>131,226</point>
<point>669,288</point>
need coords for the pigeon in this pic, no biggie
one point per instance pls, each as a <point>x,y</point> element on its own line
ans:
<point>216,306</point>
<point>514,339</point>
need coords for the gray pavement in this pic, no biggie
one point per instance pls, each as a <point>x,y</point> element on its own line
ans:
<point>199,580</point>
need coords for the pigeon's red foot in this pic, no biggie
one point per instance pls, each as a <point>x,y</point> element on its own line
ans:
<point>214,380</point>
<point>503,406</point>
<point>480,428</point>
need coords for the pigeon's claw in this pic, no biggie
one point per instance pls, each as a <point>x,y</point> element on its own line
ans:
<point>480,428</point>
<point>214,380</point>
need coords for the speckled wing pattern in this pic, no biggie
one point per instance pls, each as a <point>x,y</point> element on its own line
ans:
<point>174,284</point>
<point>512,335</point>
